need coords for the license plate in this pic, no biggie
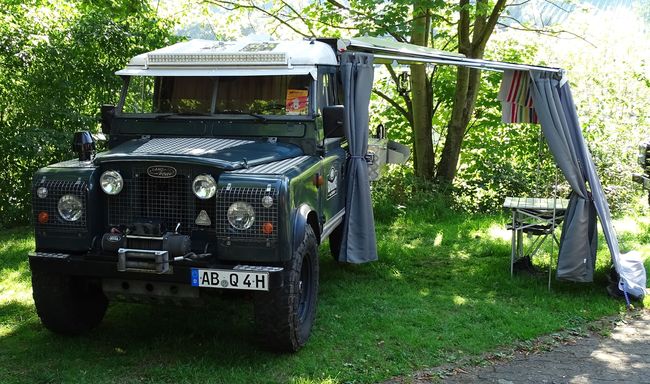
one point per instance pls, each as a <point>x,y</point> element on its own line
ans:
<point>229,279</point>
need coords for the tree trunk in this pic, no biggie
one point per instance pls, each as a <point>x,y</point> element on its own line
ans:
<point>468,81</point>
<point>421,101</point>
<point>424,162</point>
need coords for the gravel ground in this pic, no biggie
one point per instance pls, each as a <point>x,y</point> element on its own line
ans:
<point>615,350</point>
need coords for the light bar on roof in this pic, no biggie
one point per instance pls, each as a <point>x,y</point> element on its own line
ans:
<point>241,58</point>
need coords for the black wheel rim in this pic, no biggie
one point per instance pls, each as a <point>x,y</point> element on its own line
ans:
<point>305,288</point>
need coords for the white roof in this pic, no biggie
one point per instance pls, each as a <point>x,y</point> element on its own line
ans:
<point>236,58</point>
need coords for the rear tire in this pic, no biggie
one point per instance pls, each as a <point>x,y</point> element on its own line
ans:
<point>284,316</point>
<point>336,238</point>
<point>68,305</point>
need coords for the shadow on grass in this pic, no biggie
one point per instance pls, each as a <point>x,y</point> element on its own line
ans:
<point>135,343</point>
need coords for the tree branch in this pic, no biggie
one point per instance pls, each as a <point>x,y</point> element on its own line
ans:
<point>489,25</point>
<point>395,105</point>
<point>463,27</point>
<point>298,15</point>
<point>517,4</point>
<point>237,5</point>
<point>557,6</point>
<point>480,21</point>
<point>340,6</point>
<point>543,31</point>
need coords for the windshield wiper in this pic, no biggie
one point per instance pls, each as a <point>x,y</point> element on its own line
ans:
<point>238,112</point>
<point>165,115</point>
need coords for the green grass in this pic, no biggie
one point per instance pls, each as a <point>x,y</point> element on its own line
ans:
<point>441,291</point>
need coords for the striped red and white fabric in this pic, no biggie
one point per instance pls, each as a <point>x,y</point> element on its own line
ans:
<point>516,98</point>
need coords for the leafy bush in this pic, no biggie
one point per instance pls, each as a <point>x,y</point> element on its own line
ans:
<point>57,62</point>
<point>399,190</point>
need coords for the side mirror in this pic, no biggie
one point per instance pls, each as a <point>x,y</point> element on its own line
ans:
<point>83,145</point>
<point>333,117</point>
<point>107,113</point>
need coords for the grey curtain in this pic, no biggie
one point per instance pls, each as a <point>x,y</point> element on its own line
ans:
<point>629,265</point>
<point>557,115</point>
<point>359,244</point>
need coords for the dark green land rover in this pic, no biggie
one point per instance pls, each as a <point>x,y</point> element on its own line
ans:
<point>224,171</point>
<point>228,163</point>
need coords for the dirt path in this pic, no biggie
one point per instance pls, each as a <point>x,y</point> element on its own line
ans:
<point>611,352</point>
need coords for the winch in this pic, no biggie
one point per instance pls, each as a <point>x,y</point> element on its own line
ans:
<point>174,243</point>
<point>145,247</point>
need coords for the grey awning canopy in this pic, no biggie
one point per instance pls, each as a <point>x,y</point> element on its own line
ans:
<point>387,51</point>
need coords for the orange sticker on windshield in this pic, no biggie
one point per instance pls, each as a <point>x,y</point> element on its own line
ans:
<point>297,101</point>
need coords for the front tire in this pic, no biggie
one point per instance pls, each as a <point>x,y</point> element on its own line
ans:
<point>68,305</point>
<point>284,316</point>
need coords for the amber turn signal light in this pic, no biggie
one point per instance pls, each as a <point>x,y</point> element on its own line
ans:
<point>319,180</point>
<point>267,228</point>
<point>43,217</point>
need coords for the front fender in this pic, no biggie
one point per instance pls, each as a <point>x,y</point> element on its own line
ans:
<point>302,216</point>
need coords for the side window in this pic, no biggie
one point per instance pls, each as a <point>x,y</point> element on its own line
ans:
<point>338,89</point>
<point>139,98</point>
<point>325,91</point>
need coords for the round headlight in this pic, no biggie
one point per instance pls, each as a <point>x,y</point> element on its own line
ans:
<point>70,207</point>
<point>111,182</point>
<point>241,215</point>
<point>204,186</point>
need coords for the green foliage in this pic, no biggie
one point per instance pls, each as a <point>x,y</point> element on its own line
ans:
<point>500,160</point>
<point>400,191</point>
<point>608,75</point>
<point>58,60</point>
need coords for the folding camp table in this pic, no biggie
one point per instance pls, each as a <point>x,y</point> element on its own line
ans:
<point>534,216</point>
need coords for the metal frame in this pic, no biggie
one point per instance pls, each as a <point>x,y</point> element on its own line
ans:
<point>532,216</point>
<point>386,52</point>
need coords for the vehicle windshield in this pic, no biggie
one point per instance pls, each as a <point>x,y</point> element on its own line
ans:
<point>183,95</point>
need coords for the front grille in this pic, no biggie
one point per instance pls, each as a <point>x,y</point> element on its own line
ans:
<point>168,201</point>
<point>55,190</point>
<point>227,196</point>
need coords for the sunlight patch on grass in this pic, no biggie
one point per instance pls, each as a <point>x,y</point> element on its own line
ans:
<point>302,380</point>
<point>14,316</point>
<point>396,274</point>
<point>459,300</point>
<point>438,240</point>
<point>13,287</point>
<point>460,254</point>
<point>413,244</point>
<point>498,232</point>
<point>424,292</point>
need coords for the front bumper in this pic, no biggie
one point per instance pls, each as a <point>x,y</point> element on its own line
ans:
<point>104,268</point>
